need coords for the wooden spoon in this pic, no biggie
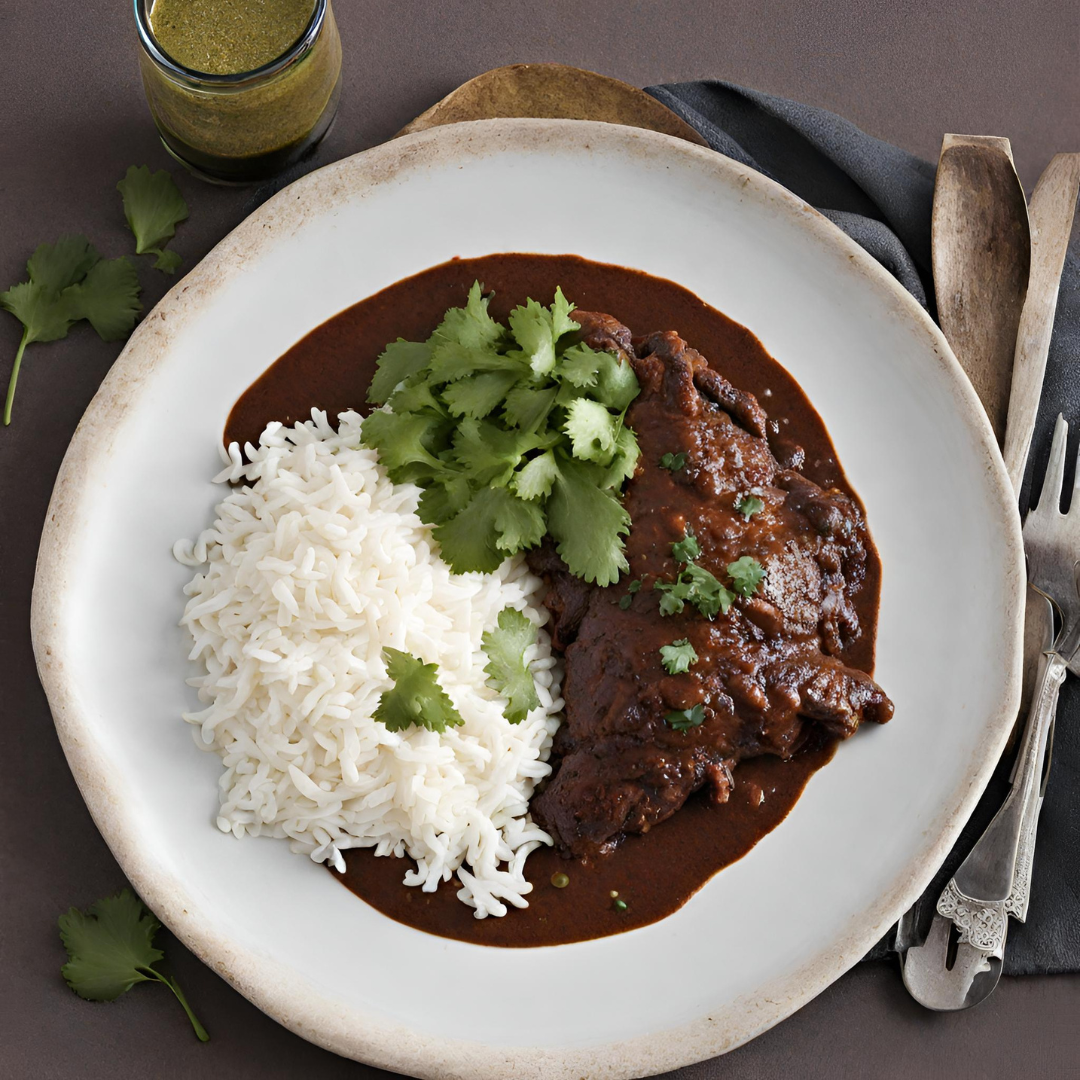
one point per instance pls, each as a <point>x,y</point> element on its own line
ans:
<point>982,255</point>
<point>555,91</point>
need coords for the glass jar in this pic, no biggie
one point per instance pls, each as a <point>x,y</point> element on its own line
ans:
<point>243,127</point>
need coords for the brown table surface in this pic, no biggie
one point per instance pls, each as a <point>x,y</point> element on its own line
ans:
<point>72,119</point>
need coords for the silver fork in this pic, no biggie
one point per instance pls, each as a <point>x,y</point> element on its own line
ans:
<point>987,889</point>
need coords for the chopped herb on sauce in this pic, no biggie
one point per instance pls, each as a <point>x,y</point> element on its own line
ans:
<point>674,462</point>
<point>628,599</point>
<point>684,719</point>
<point>620,905</point>
<point>696,586</point>
<point>750,505</point>
<point>687,549</point>
<point>746,574</point>
<point>678,656</point>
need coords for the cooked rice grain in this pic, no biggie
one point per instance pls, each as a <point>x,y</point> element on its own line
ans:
<point>312,567</point>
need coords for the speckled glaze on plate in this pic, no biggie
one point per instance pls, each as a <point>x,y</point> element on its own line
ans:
<point>765,935</point>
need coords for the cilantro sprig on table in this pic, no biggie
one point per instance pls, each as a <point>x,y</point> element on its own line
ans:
<point>110,948</point>
<point>69,281</point>
<point>512,433</point>
<point>153,207</point>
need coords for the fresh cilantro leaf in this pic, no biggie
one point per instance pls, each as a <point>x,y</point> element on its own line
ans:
<point>672,597</point>
<point>153,207</point>
<point>586,523</point>
<point>625,602</point>
<point>415,395</point>
<point>493,524</point>
<point>634,585</point>
<point>470,326</point>
<point>616,383</point>
<point>695,586</point>
<point>416,698</point>
<point>108,298</point>
<point>592,430</point>
<point>687,549</point>
<point>568,394</point>
<point>750,505</point>
<point>674,462</point>
<point>469,540</point>
<point>400,440</point>
<point>532,328</point>
<point>167,261</point>
<point>39,303</point>
<point>110,948</point>
<point>535,478</point>
<point>623,461</point>
<point>507,671</point>
<point>678,656</point>
<point>526,407</point>
<point>561,323</point>
<point>488,422</point>
<point>451,360</point>
<point>53,267</point>
<point>45,315</point>
<point>488,453</point>
<point>746,574</point>
<point>398,361</point>
<point>446,496</point>
<point>684,719</point>
<point>579,365</point>
<point>628,599</point>
<point>68,282</point>
<point>519,524</point>
<point>476,395</point>
<point>706,593</point>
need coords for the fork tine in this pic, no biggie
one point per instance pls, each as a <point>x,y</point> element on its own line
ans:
<point>1050,495</point>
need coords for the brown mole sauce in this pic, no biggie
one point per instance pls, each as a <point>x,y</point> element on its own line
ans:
<point>656,873</point>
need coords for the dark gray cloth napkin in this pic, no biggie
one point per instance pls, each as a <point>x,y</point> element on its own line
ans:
<point>881,196</point>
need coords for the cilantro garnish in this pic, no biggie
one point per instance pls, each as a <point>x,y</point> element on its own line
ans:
<point>696,586</point>
<point>687,549</point>
<point>684,719</point>
<point>746,574</point>
<point>750,505</point>
<point>153,207</point>
<point>110,948</point>
<point>674,462</point>
<point>416,697</point>
<point>506,669</point>
<point>678,656</point>
<point>512,433</point>
<point>69,281</point>
<point>626,600</point>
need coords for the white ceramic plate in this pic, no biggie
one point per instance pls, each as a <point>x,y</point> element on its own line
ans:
<point>770,931</point>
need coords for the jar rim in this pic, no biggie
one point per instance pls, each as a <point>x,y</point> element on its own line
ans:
<point>207,80</point>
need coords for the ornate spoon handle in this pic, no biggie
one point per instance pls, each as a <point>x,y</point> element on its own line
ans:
<point>977,898</point>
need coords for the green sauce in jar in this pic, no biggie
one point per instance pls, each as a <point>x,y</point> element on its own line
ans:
<point>239,89</point>
<point>226,37</point>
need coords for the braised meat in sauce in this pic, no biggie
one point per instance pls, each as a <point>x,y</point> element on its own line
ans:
<point>768,672</point>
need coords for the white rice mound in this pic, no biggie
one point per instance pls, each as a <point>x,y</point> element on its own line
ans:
<point>312,567</point>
